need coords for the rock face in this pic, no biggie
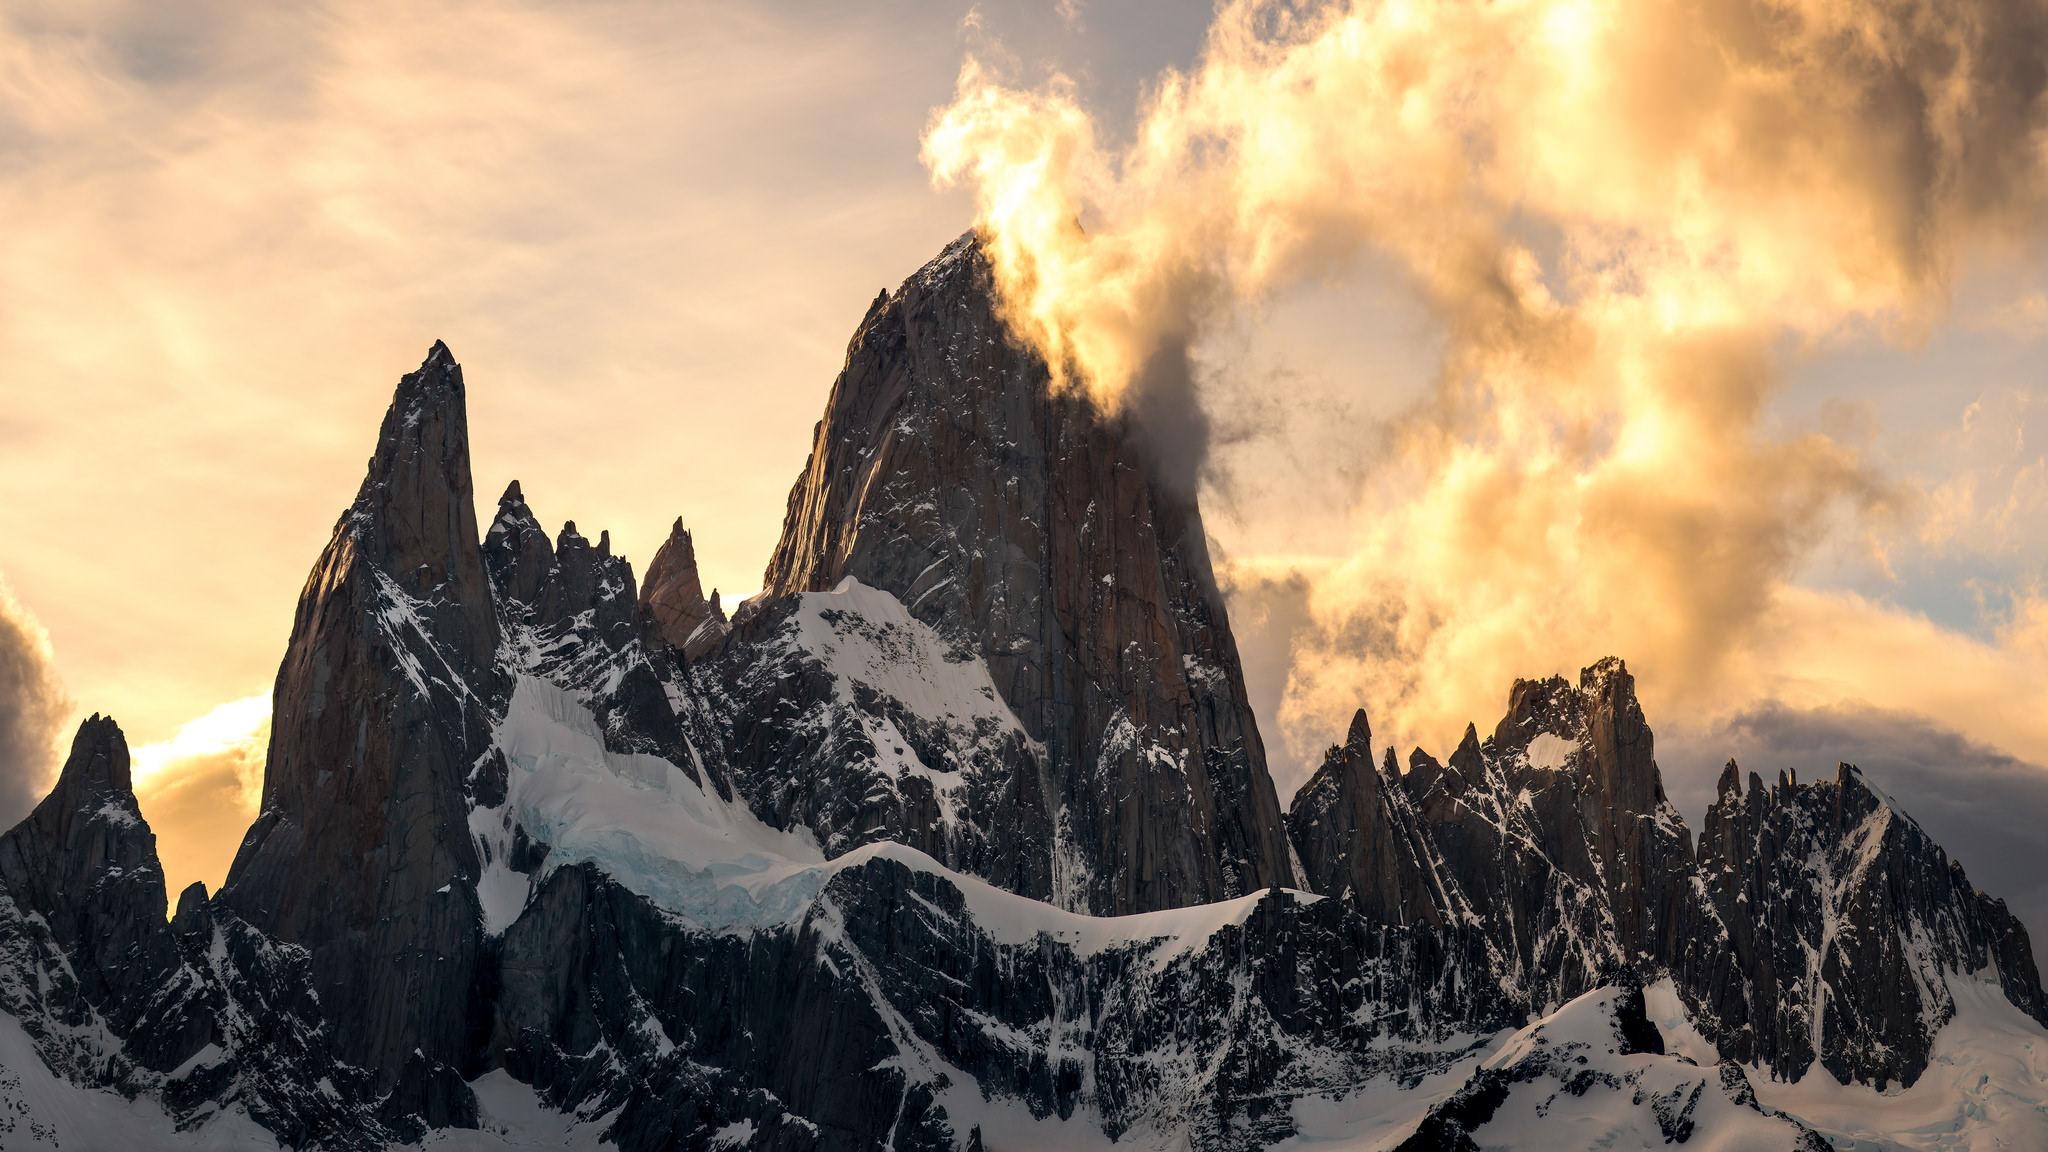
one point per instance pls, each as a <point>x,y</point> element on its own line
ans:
<point>200,1011</point>
<point>362,853</point>
<point>1814,920</point>
<point>1194,1034</point>
<point>570,614</point>
<point>84,885</point>
<point>674,597</point>
<point>1029,529</point>
<point>1848,923</point>
<point>1359,838</point>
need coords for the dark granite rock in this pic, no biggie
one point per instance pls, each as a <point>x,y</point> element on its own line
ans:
<point>1847,922</point>
<point>674,597</point>
<point>1030,528</point>
<point>362,854</point>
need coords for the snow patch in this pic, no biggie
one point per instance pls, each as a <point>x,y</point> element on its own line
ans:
<point>637,817</point>
<point>1550,752</point>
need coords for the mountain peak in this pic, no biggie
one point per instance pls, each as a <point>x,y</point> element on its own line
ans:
<point>1032,529</point>
<point>673,596</point>
<point>380,712</point>
<point>98,764</point>
<point>517,551</point>
<point>1359,735</point>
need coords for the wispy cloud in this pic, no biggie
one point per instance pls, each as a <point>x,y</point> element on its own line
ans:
<point>33,708</point>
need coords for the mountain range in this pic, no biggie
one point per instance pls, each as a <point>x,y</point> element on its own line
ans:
<point>959,835</point>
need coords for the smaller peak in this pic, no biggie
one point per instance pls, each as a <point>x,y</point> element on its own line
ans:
<point>98,760</point>
<point>1756,784</point>
<point>1731,780</point>
<point>604,543</point>
<point>1423,772</point>
<point>1849,778</point>
<point>569,537</point>
<point>1360,733</point>
<point>438,355</point>
<point>193,919</point>
<point>1602,670</point>
<point>1468,761</point>
<point>512,495</point>
<point>1390,766</point>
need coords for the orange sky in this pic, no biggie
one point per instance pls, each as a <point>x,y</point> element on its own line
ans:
<point>647,232</point>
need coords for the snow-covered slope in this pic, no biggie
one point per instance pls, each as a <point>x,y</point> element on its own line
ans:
<point>1595,1074</point>
<point>40,1110</point>
<point>636,816</point>
<point>1985,1088</point>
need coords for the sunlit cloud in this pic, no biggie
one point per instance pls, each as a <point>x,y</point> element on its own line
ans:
<point>201,788</point>
<point>1621,217</point>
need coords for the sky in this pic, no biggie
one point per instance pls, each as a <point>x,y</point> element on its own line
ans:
<point>1709,334</point>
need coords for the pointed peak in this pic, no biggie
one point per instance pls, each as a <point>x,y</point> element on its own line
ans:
<point>604,543</point>
<point>569,537</point>
<point>1756,785</point>
<point>1850,779</point>
<point>1360,734</point>
<point>99,760</point>
<point>1391,767</point>
<point>436,385</point>
<point>1468,761</point>
<point>1731,780</point>
<point>512,495</point>
<point>1607,670</point>
<point>1423,772</point>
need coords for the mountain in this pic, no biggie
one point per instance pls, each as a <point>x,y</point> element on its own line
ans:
<point>958,836</point>
<point>1032,532</point>
<point>380,721</point>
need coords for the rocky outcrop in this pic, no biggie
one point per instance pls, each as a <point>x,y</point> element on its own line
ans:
<point>571,614</point>
<point>86,906</point>
<point>200,1011</point>
<point>1199,1034</point>
<point>1597,1070</point>
<point>1358,837</point>
<point>674,597</point>
<point>1848,923</point>
<point>1816,920</point>
<point>362,854</point>
<point>862,724</point>
<point>1029,528</point>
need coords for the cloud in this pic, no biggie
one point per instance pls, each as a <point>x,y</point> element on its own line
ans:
<point>1981,804</point>
<point>33,709</point>
<point>201,789</point>
<point>1622,217</point>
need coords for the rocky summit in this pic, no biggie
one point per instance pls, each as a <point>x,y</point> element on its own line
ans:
<point>958,836</point>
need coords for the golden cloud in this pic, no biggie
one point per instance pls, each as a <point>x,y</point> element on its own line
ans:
<point>201,789</point>
<point>1621,216</point>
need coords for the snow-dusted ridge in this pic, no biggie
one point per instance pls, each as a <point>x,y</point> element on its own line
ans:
<point>711,863</point>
